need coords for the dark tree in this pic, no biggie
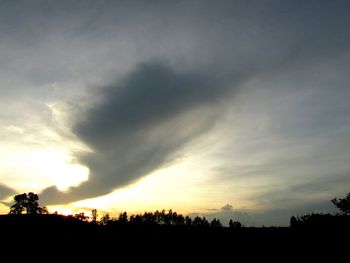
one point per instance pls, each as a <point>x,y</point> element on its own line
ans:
<point>81,216</point>
<point>179,220</point>
<point>123,218</point>
<point>137,220</point>
<point>293,221</point>
<point>200,222</point>
<point>94,216</point>
<point>235,224</point>
<point>20,204</point>
<point>43,210</point>
<point>230,223</point>
<point>188,221</point>
<point>27,202</point>
<point>33,204</point>
<point>343,204</point>
<point>104,220</point>
<point>215,223</point>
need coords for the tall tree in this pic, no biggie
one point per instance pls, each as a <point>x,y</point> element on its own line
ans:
<point>27,202</point>
<point>94,216</point>
<point>123,218</point>
<point>20,204</point>
<point>32,204</point>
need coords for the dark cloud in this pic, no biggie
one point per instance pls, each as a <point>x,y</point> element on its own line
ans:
<point>143,119</point>
<point>54,51</point>
<point>140,124</point>
<point>5,192</point>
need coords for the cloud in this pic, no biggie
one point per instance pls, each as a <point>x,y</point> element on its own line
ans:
<point>290,124</point>
<point>324,184</point>
<point>143,119</point>
<point>140,123</point>
<point>5,191</point>
<point>227,208</point>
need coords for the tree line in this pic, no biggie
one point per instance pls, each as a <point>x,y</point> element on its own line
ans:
<point>29,203</point>
<point>341,219</point>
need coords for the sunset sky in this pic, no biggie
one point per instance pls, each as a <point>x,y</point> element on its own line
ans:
<point>231,109</point>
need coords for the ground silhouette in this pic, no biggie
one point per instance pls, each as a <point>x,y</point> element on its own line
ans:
<point>170,232</point>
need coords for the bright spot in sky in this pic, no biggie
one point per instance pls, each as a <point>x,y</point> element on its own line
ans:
<point>37,168</point>
<point>64,171</point>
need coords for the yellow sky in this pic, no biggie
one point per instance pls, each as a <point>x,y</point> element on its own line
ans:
<point>167,188</point>
<point>192,182</point>
<point>186,185</point>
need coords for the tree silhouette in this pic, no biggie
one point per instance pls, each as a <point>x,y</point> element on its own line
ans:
<point>27,202</point>
<point>343,204</point>
<point>215,223</point>
<point>293,221</point>
<point>43,210</point>
<point>104,220</point>
<point>234,224</point>
<point>94,216</point>
<point>200,222</point>
<point>81,216</point>
<point>33,204</point>
<point>326,221</point>
<point>188,221</point>
<point>19,204</point>
<point>123,218</point>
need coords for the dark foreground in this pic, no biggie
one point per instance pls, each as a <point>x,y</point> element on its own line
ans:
<point>61,235</point>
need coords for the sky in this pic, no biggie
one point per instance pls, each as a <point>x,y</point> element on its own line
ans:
<point>228,109</point>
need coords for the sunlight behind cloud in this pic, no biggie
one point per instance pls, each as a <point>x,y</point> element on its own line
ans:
<point>234,103</point>
<point>36,168</point>
<point>65,172</point>
<point>186,185</point>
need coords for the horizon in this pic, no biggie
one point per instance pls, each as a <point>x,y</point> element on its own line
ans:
<point>233,109</point>
<point>27,204</point>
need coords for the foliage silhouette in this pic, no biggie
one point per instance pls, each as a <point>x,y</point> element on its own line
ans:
<point>81,216</point>
<point>215,223</point>
<point>293,221</point>
<point>326,221</point>
<point>166,229</point>
<point>123,218</point>
<point>94,216</point>
<point>27,202</point>
<point>343,204</point>
<point>162,230</point>
<point>234,224</point>
<point>321,221</point>
<point>104,220</point>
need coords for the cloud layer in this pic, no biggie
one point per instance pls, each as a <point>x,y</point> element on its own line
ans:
<point>136,82</point>
<point>140,122</point>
